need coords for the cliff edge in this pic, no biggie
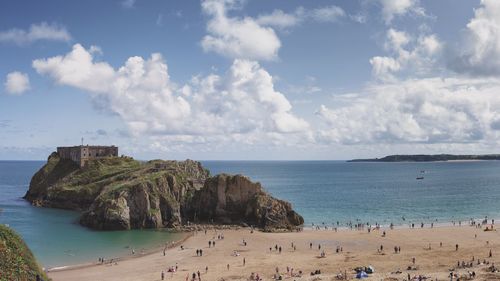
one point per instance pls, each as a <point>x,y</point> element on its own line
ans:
<point>16,260</point>
<point>119,193</point>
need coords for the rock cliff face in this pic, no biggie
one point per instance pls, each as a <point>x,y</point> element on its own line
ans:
<point>236,200</point>
<point>122,193</point>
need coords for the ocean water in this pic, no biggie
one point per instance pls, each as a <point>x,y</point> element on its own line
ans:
<point>54,235</point>
<point>321,191</point>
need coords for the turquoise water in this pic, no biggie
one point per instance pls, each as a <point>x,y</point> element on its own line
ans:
<point>322,191</point>
<point>54,235</point>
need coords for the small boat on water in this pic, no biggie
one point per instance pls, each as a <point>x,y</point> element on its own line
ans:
<point>420,178</point>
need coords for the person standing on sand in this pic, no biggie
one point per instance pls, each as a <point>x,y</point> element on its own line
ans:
<point>209,244</point>
<point>490,254</point>
<point>244,261</point>
<point>162,275</point>
<point>456,247</point>
<point>227,266</point>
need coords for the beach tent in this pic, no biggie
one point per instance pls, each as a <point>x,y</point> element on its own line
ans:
<point>361,275</point>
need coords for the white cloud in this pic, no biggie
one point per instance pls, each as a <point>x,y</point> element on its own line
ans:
<point>327,14</point>
<point>393,8</point>
<point>430,110</point>
<point>396,39</point>
<point>36,32</point>
<point>17,83</point>
<point>383,67</point>
<point>240,104</point>
<point>237,37</point>
<point>359,17</point>
<point>479,53</point>
<point>246,99</point>
<point>77,69</point>
<point>254,38</point>
<point>159,20</point>
<point>280,19</point>
<point>417,56</point>
<point>128,4</point>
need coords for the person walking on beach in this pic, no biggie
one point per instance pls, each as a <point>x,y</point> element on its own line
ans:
<point>490,254</point>
<point>310,245</point>
<point>209,244</point>
<point>227,266</point>
<point>456,247</point>
<point>201,252</point>
<point>244,261</point>
<point>162,275</point>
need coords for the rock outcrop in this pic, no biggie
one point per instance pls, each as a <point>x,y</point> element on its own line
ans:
<point>235,199</point>
<point>121,193</point>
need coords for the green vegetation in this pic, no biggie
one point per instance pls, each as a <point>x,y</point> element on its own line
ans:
<point>106,188</point>
<point>16,260</point>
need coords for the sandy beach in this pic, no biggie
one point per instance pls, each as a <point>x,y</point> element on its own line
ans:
<point>355,248</point>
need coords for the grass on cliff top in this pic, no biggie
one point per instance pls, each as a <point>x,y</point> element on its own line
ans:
<point>99,172</point>
<point>16,260</point>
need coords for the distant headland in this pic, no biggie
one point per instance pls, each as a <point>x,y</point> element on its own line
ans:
<point>430,158</point>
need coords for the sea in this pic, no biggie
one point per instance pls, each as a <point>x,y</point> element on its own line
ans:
<point>323,192</point>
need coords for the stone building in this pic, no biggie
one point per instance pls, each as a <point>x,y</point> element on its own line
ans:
<point>83,153</point>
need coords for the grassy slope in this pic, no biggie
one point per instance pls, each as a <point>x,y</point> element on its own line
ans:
<point>16,260</point>
<point>105,177</point>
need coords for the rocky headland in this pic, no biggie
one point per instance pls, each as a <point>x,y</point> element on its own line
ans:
<point>118,193</point>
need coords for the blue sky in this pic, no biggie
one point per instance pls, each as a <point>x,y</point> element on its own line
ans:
<point>233,79</point>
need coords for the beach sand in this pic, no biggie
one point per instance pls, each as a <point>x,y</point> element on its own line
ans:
<point>360,248</point>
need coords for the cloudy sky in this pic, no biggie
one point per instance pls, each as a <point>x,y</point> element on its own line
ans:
<point>254,79</point>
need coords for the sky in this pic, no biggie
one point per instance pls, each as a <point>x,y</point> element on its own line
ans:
<point>250,80</point>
